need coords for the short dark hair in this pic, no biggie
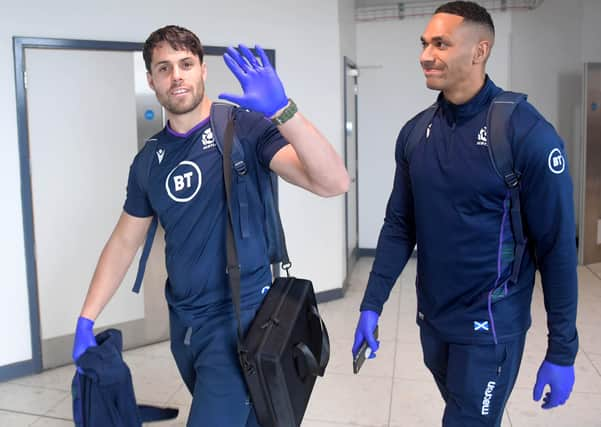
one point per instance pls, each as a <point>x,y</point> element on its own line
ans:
<point>179,38</point>
<point>470,11</point>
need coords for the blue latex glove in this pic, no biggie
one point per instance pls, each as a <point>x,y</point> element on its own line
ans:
<point>559,378</point>
<point>84,338</point>
<point>365,332</point>
<point>263,90</point>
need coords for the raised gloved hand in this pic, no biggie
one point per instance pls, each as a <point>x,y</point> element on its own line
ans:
<point>84,337</point>
<point>368,320</point>
<point>263,90</point>
<point>559,378</point>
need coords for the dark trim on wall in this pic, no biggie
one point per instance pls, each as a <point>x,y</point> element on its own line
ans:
<point>367,252</point>
<point>16,370</point>
<point>331,295</point>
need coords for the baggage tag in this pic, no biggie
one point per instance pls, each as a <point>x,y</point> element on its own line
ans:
<point>363,353</point>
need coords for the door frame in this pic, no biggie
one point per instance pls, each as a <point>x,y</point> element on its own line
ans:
<point>354,254</point>
<point>34,365</point>
<point>587,227</point>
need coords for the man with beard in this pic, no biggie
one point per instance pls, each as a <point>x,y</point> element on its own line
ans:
<point>185,190</point>
<point>474,284</point>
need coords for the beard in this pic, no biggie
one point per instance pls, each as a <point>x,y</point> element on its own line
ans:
<point>184,105</point>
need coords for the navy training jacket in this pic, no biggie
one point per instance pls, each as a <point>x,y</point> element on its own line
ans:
<point>103,396</point>
<point>448,199</point>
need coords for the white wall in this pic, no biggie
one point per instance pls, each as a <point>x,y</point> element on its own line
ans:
<point>540,52</point>
<point>547,64</point>
<point>591,32</point>
<point>306,38</point>
<point>348,29</point>
<point>391,91</point>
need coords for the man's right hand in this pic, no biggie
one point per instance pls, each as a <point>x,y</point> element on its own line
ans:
<point>263,89</point>
<point>365,332</point>
<point>84,337</point>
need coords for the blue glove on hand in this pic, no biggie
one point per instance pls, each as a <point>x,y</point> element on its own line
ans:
<point>84,337</point>
<point>559,378</point>
<point>263,90</point>
<point>365,332</point>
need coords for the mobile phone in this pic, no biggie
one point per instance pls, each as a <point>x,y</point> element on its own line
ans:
<point>360,357</point>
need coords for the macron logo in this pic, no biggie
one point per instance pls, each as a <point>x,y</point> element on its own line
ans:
<point>160,154</point>
<point>487,396</point>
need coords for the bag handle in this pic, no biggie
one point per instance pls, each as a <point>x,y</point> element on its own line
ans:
<point>324,352</point>
<point>302,351</point>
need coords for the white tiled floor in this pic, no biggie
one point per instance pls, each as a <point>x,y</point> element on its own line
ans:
<point>393,390</point>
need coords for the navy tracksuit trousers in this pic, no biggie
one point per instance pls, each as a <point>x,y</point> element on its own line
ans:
<point>475,380</point>
<point>207,359</point>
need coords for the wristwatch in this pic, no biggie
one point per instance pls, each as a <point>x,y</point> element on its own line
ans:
<point>286,114</point>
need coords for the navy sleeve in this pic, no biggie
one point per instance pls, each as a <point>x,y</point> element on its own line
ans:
<point>256,127</point>
<point>547,207</point>
<point>397,236</point>
<point>270,142</point>
<point>136,201</point>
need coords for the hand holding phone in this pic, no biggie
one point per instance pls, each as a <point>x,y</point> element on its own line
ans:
<point>361,355</point>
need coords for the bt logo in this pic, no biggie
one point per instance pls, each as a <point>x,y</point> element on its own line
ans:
<point>557,163</point>
<point>184,181</point>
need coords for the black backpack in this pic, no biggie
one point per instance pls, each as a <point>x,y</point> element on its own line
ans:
<point>501,157</point>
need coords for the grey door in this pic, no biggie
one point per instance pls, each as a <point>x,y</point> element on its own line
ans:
<point>351,74</point>
<point>83,135</point>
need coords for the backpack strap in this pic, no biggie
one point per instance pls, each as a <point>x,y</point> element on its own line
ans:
<point>501,155</point>
<point>276,239</point>
<point>421,129</point>
<point>221,113</point>
<point>146,159</point>
<point>499,146</point>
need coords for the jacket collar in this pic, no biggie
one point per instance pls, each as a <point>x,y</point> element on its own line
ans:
<point>460,113</point>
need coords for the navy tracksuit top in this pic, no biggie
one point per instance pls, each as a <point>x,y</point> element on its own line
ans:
<point>185,189</point>
<point>448,200</point>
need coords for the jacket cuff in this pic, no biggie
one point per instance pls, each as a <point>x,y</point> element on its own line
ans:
<point>562,353</point>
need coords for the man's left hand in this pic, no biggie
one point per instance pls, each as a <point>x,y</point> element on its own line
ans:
<point>559,378</point>
<point>263,90</point>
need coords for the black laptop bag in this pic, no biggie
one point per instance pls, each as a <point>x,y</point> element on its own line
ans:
<point>287,345</point>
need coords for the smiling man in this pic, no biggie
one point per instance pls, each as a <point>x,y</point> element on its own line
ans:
<point>183,186</point>
<point>481,234</point>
